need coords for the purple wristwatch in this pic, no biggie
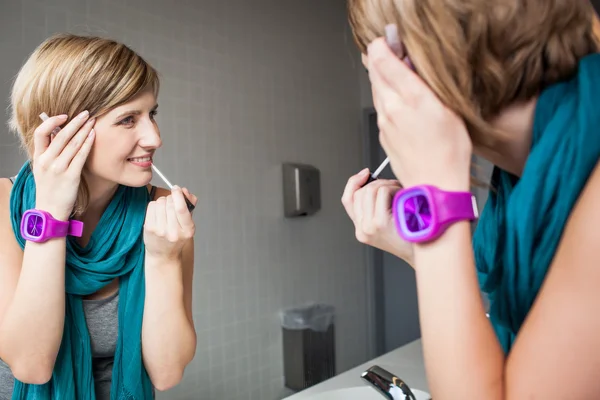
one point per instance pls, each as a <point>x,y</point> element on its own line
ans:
<point>422,213</point>
<point>40,226</point>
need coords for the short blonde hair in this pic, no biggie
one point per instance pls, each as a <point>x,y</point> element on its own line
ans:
<point>68,74</point>
<point>480,56</point>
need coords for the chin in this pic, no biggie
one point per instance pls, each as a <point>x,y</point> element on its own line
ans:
<point>136,180</point>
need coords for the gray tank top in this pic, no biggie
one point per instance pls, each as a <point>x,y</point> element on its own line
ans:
<point>103,325</point>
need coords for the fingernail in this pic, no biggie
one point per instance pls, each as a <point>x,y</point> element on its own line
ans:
<point>92,133</point>
<point>175,187</point>
<point>364,171</point>
<point>62,116</point>
<point>392,39</point>
<point>91,121</point>
<point>84,114</point>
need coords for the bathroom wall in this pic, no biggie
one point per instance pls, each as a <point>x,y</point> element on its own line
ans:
<point>247,85</point>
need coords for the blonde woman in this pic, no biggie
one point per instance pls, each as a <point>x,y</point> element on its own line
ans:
<point>517,83</point>
<point>102,306</point>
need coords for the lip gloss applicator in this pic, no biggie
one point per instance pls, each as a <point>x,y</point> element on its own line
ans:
<point>190,206</point>
<point>375,174</point>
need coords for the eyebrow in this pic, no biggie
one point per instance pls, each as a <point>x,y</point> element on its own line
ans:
<point>135,112</point>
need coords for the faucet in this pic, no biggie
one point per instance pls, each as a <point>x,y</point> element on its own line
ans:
<point>387,384</point>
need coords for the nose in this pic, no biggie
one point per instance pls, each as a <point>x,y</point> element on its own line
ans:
<point>150,135</point>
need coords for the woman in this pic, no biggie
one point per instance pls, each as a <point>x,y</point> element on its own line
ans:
<point>515,82</point>
<point>108,310</point>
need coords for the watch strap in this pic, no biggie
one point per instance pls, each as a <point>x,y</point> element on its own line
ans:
<point>75,228</point>
<point>455,206</point>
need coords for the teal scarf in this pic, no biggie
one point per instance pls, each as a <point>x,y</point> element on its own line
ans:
<point>116,250</point>
<point>521,225</point>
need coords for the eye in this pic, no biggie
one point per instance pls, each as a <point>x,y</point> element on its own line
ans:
<point>153,114</point>
<point>127,121</point>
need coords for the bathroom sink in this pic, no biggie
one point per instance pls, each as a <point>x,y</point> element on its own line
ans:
<point>361,393</point>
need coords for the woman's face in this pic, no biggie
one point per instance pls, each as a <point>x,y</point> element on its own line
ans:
<point>126,139</point>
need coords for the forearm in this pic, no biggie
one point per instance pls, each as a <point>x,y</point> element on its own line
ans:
<point>463,357</point>
<point>168,335</point>
<point>32,327</point>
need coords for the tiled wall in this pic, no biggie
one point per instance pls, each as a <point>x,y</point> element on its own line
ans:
<point>247,85</point>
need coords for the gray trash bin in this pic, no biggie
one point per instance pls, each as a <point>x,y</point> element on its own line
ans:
<point>308,345</point>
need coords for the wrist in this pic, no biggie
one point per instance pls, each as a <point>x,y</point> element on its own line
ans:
<point>447,183</point>
<point>57,213</point>
<point>456,185</point>
<point>160,270</point>
<point>162,260</point>
<point>447,243</point>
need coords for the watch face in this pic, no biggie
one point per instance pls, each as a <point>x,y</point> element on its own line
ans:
<point>417,213</point>
<point>33,225</point>
<point>415,218</point>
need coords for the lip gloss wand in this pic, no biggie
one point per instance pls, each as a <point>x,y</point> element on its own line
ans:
<point>190,206</point>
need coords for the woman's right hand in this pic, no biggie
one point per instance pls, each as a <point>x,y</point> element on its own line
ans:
<point>58,162</point>
<point>370,209</point>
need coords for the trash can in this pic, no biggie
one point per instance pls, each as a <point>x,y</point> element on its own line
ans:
<point>308,345</point>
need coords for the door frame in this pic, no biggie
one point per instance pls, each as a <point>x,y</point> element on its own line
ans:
<point>373,256</point>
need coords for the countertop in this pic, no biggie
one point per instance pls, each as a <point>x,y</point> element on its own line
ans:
<point>406,362</point>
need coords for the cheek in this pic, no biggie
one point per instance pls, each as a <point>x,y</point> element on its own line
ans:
<point>106,151</point>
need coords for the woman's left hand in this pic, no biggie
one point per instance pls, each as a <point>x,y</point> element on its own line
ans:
<point>169,224</point>
<point>427,143</point>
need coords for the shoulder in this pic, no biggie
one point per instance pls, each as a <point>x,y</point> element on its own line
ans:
<point>5,188</point>
<point>158,191</point>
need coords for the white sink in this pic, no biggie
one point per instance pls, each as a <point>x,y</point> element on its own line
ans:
<point>362,393</point>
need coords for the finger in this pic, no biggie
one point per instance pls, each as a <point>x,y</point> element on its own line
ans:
<point>387,103</point>
<point>383,204</point>
<point>80,158</point>
<point>354,184</point>
<point>75,143</point>
<point>388,70</point>
<point>150,222</point>
<point>368,205</point>
<point>41,136</point>
<point>184,217</point>
<point>193,199</point>
<point>161,216</point>
<point>382,106</point>
<point>357,209</point>
<point>189,199</point>
<point>370,197</point>
<point>379,86</point>
<point>66,134</point>
<point>173,227</point>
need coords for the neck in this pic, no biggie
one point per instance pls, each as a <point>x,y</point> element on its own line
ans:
<point>510,152</point>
